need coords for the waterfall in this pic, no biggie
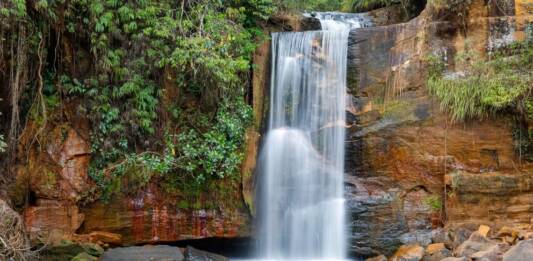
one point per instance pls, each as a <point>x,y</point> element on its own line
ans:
<point>302,160</point>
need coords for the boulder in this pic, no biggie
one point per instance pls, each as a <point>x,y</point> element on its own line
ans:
<point>408,253</point>
<point>93,249</point>
<point>441,236</point>
<point>523,251</point>
<point>84,257</point>
<point>511,235</point>
<point>436,252</point>
<point>475,243</point>
<point>483,230</point>
<point>493,253</point>
<point>420,237</point>
<point>455,259</point>
<point>193,254</point>
<point>138,253</point>
<point>62,251</point>
<point>459,236</point>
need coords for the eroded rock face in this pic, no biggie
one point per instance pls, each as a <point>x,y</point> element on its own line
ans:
<point>52,221</point>
<point>59,173</point>
<point>402,149</point>
<point>152,216</point>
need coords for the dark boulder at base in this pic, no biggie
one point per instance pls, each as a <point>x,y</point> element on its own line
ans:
<point>523,251</point>
<point>193,254</point>
<point>138,253</point>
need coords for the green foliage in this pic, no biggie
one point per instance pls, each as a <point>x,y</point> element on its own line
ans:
<point>365,5</point>
<point>3,144</point>
<point>310,5</point>
<point>204,48</point>
<point>484,87</point>
<point>190,159</point>
<point>133,173</point>
<point>15,8</point>
<point>139,51</point>
<point>253,10</point>
<point>453,10</point>
<point>215,152</point>
<point>449,4</point>
<point>434,202</point>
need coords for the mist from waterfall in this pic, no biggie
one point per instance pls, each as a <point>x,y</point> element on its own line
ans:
<point>301,191</point>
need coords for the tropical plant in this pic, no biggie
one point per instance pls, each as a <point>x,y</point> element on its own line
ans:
<point>484,87</point>
<point>137,54</point>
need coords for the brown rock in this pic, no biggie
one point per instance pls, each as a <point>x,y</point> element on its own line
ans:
<point>494,252</point>
<point>460,235</point>
<point>483,230</point>
<point>475,243</point>
<point>523,251</point>
<point>52,220</point>
<point>105,237</point>
<point>454,259</point>
<point>436,252</point>
<point>510,235</point>
<point>507,232</point>
<point>408,253</point>
<point>377,258</point>
<point>414,144</point>
<point>152,216</point>
<point>434,248</point>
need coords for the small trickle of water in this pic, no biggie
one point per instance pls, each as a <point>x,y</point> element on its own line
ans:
<point>302,161</point>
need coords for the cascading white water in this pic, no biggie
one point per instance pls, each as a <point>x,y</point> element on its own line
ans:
<point>302,160</point>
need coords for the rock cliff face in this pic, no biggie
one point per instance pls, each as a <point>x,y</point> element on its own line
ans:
<point>403,153</point>
<point>402,150</point>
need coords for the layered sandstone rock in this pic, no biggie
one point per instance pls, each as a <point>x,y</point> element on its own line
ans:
<point>151,216</point>
<point>401,145</point>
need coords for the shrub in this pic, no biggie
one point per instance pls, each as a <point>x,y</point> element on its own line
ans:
<point>484,87</point>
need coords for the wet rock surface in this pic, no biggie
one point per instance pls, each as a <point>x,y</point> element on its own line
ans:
<point>155,253</point>
<point>193,254</point>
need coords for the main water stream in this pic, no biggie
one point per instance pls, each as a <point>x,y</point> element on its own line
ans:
<point>301,212</point>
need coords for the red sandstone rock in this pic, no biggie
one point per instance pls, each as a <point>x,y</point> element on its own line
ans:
<point>52,220</point>
<point>153,216</point>
<point>105,237</point>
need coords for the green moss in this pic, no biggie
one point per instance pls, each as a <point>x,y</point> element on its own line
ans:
<point>183,204</point>
<point>434,202</point>
<point>49,181</point>
<point>398,109</point>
